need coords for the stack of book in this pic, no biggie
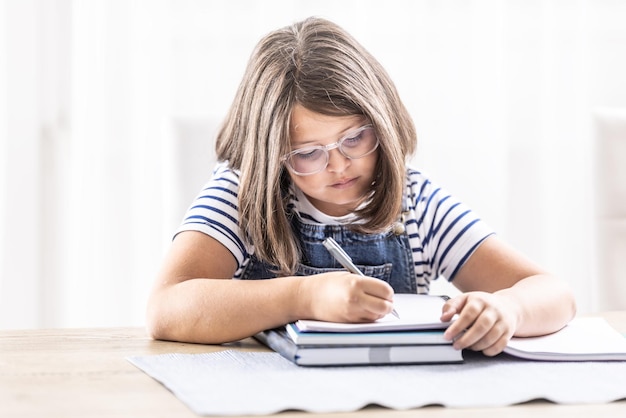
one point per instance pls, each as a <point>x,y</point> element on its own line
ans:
<point>414,337</point>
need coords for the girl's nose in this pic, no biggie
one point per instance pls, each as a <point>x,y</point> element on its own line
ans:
<point>337,162</point>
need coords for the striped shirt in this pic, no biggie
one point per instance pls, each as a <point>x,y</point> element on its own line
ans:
<point>443,232</point>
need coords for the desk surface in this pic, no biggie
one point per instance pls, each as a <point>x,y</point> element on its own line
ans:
<point>83,372</point>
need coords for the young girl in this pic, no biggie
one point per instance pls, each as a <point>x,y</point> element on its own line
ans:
<point>315,145</point>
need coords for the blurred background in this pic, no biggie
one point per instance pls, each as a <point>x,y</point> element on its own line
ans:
<point>108,110</point>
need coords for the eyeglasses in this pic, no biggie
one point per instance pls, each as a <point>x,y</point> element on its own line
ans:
<point>310,160</point>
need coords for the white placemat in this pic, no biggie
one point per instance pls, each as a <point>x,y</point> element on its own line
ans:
<point>258,383</point>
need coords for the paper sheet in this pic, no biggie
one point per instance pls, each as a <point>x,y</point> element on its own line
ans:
<point>583,337</point>
<point>258,383</point>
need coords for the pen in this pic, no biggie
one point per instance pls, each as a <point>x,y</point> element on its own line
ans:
<point>344,259</point>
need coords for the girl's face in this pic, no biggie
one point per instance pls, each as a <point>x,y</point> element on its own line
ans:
<point>339,188</point>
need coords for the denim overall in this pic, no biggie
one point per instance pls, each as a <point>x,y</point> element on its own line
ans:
<point>386,256</point>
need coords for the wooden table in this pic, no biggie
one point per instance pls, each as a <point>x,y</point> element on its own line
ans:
<point>83,373</point>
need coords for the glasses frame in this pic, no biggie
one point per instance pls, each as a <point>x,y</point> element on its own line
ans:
<point>328,148</point>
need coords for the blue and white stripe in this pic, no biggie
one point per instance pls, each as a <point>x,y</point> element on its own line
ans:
<point>443,232</point>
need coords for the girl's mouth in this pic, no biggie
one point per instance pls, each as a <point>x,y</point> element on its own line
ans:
<point>344,183</point>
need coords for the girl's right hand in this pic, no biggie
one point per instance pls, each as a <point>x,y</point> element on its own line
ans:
<point>341,296</point>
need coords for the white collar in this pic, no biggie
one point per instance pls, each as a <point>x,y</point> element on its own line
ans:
<point>304,206</point>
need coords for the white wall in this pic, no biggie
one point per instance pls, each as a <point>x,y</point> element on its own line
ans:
<point>108,108</point>
<point>610,208</point>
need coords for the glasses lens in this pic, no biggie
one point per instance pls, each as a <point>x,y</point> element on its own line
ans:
<point>308,160</point>
<point>359,144</point>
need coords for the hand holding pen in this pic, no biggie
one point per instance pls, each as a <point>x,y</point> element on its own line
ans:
<point>344,259</point>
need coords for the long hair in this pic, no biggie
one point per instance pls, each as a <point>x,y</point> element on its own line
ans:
<point>320,66</point>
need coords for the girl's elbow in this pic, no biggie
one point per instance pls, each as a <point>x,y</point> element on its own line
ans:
<point>155,329</point>
<point>157,326</point>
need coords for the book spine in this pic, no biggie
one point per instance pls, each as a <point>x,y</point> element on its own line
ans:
<point>279,343</point>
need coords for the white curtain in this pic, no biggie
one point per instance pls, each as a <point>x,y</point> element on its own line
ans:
<point>108,108</point>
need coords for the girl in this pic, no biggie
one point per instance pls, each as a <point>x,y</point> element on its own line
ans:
<point>315,145</point>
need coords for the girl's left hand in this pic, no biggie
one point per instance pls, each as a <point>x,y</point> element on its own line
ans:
<point>486,321</point>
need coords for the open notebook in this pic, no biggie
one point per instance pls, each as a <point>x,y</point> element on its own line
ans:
<point>583,339</point>
<point>415,312</point>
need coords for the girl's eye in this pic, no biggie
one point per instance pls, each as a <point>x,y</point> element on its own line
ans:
<point>308,154</point>
<point>353,141</point>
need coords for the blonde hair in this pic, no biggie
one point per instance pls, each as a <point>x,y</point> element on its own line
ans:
<point>320,66</point>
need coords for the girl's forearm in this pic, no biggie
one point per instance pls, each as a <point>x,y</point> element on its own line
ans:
<point>213,311</point>
<point>544,304</point>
